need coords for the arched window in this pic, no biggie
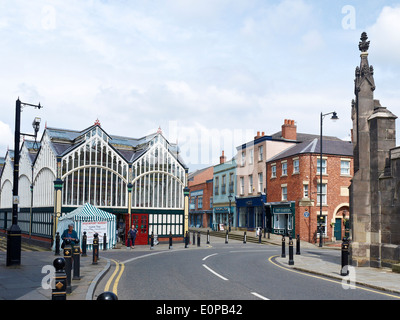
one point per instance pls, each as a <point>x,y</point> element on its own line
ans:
<point>156,183</point>
<point>94,173</point>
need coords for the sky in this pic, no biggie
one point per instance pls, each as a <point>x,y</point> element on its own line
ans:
<point>209,73</point>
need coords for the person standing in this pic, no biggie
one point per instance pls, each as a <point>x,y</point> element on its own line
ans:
<point>132,236</point>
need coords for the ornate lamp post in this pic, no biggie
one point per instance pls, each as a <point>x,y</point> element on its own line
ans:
<point>14,232</point>
<point>334,118</point>
<point>230,209</point>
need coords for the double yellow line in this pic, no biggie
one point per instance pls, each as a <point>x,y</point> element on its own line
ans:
<point>117,270</point>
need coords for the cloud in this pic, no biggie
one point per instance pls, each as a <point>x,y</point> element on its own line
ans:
<point>385,37</point>
<point>7,137</point>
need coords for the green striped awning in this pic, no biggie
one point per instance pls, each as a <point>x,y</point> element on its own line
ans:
<point>88,212</point>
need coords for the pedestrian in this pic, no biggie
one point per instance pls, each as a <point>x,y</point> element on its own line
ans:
<point>70,234</point>
<point>132,236</point>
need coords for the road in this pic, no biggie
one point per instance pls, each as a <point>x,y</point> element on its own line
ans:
<point>221,272</point>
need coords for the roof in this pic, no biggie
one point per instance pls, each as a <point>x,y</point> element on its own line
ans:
<point>64,141</point>
<point>301,137</point>
<point>331,147</point>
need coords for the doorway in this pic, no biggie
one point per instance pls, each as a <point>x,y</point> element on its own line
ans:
<point>140,221</point>
<point>338,229</point>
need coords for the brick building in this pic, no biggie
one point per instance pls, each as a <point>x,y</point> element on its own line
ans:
<point>251,173</point>
<point>293,189</point>
<point>200,184</point>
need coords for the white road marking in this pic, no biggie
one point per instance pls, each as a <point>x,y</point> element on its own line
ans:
<point>259,296</point>
<point>212,271</point>
<point>205,258</point>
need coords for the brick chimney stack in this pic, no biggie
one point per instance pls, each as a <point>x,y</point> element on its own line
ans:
<point>222,158</point>
<point>259,135</point>
<point>289,130</point>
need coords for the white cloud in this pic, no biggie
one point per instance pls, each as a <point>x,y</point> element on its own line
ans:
<point>7,137</point>
<point>385,37</point>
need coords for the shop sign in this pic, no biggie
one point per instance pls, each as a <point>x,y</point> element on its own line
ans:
<point>282,210</point>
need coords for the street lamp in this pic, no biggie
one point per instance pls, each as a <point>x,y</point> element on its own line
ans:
<point>14,232</point>
<point>230,209</point>
<point>334,118</point>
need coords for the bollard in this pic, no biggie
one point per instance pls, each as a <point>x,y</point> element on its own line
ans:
<point>283,247</point>
<point>226,236</point>
<point>259,236</point>
<point>291,261</point>
<point>76,253</point>
<point>194,238</point>
<point>59,292</point>
<point>68,263</point>
<point>84,244</point>
<point>186,239</point>
<point>298,244</point>
<point>245,237</point>
<point>152,241</point>
<point>57,248</point>
<point>198,238</point>
<point>345,257</point>
<point>170,240</point>
<point>208,236</point>
<point>95,248</point>
<point>105,242</point>
<point>107,295</point>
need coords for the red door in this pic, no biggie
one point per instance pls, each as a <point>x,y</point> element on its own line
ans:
<point>141,224</point>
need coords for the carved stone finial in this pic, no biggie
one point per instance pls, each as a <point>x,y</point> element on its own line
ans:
<point>364,44</point>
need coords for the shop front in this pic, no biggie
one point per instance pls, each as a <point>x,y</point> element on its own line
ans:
<point>250,212</point>
<point>280,218</point>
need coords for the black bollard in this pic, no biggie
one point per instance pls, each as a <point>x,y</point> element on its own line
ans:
<point>198,238</point>
<point>283,247</point>
<point>259,236</point>
<point>170,240</point>
<point>57,248</point>
<point>152,241</point>
<point>245,237</point>
<point>298,244</point>
<point>345,257</point>
<point>95,248</point>
<point>68,263</point>
<point>208,236</point>
<point>226,236</point>
<point>186,239</point>
<point>108,295</point>
<point>194,238</point>
<point>76,254</point>
<point>291,261</point>
<point>59,292</point>
<point>105,242</point>
<point>84,244</point>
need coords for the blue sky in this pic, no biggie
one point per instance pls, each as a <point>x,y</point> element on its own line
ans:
<point>210,73</point>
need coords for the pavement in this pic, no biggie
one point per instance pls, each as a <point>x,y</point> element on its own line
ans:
<point>28,281</point>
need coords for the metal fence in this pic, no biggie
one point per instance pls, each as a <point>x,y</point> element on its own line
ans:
<point>38,223</point>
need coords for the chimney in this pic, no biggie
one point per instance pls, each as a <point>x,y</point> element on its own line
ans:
<point>222,158</point>
<point>257,136</point>
<point>289,130</point>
